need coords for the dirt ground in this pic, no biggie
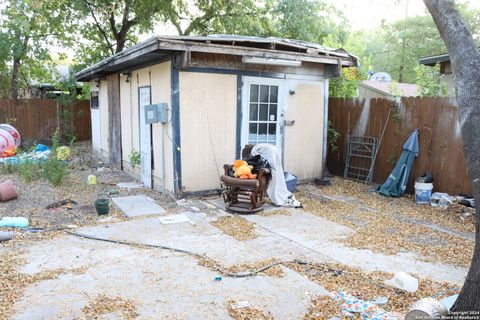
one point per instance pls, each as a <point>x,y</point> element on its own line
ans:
<point>389,226</point>
<point>34,197</point>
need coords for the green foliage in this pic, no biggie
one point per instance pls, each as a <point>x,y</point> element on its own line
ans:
<point>55,141</point>
<point>134,158</point>
<point>332,136</point>
<point>345,86</point>
<point>54,170</point>
<point>309,20</point>
<point>29,171</point>
<point>395,47</point>
<point>27,31</point>
<point>429,81</point>
<point>109,26</point>
<point>394,90</point>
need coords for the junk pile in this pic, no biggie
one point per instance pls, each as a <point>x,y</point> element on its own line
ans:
<point>10,141</point>
<point>277,189</point>
<point>40,153</point>
<point>424,195</point>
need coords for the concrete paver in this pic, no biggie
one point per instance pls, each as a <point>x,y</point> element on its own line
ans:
<point>138,205</point>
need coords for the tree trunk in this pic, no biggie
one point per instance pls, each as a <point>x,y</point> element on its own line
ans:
<point>15,71</point>
<point>465,59</point>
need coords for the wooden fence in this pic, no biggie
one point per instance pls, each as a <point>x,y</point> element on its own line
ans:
<point>37,119</point>
<point>440,141</point>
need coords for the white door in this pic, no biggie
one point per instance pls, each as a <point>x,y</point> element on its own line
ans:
<point>262,111</point>
<point>144,96</point>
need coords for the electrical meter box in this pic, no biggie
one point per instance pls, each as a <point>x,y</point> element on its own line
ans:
<point>155,113</point>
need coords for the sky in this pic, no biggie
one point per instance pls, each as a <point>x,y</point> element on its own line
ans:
<point>367,14</point>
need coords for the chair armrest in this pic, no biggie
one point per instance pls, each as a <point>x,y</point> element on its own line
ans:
<point>237,182</point>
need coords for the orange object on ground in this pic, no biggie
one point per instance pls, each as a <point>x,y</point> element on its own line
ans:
<point>9,152</point>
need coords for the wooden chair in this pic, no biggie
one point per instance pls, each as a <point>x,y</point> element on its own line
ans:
<point>245,196</point>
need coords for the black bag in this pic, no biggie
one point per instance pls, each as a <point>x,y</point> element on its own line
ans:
<point>257,162</point>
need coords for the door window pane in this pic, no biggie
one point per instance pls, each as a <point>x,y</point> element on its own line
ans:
<point>253,112</point>
<point>272,128</point>
<point>272,113</point>
<point>262,132</point>
<point>254,93</point>
<point>273,94</point>
<point>263,112</point>
<point>264,93</point>
<point>252,133</point>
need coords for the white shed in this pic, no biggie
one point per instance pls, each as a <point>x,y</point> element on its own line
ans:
<point>221,93</point>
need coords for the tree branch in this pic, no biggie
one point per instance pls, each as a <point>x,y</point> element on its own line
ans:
<point>99,27</point>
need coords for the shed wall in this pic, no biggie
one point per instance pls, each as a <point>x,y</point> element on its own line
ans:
<point>208,106</point>
<point>103,111</point>
<point>303,151</point>
<point>158,78</point>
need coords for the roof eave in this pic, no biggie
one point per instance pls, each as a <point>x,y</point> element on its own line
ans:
<point>167,45</point>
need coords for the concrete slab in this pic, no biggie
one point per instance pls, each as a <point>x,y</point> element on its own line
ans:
<point>200,237</point>
<point>322,237</point>
<point>161,283</point>
<point>219,203</point>
<point>130,185</point>
<point>138,205</point>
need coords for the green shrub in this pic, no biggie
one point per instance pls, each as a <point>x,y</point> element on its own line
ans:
<point>29,171</point>
<point>8,168</point>
<point>54,170</point>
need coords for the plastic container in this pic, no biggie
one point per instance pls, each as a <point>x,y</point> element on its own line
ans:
<point>92,179</point>
<point>291,181</point>
<point>423,192</point>
<point>102,206</point>
<point>7,191</point>
<point>403,281</point>
<point>15,222</point>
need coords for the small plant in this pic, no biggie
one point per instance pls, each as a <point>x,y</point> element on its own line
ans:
<point>8,168</point>
<point>29,171</point>
<point>332,136</point>
<point>134,158</point>
<point>54,170</point>
<point>55,140</point>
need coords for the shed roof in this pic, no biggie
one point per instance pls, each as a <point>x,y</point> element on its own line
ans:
<point>159,47</point>
<point>432,60</point>
<point>406,89</point>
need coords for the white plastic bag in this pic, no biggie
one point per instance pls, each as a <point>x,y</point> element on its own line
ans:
<point>439,199</point>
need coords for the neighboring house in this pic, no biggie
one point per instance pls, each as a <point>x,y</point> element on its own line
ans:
<point>445,70</point>
<point>368,89</point>
<point>222,92</point>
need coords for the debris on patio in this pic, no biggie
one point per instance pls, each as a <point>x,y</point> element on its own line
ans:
<point>367,310</point>
<point>14,222</point>
<point>275,271</point>
<point>242,311</point>
<point>103,305</point>
<point>236,227</point>
<point>13,283</point>
<point>267,213</point>
<point>365,286</point>
<point>376,232</point>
